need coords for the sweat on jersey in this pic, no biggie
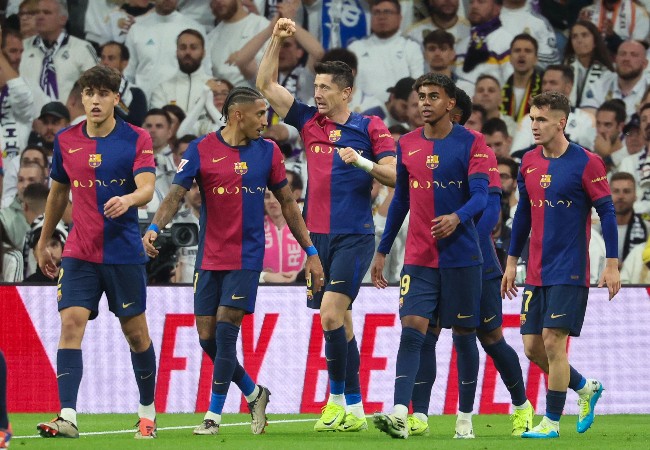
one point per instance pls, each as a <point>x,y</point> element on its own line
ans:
<point>232,181</point>
<point>97,169</point>
<point>338,195</point>
<point>555,200</point>
<point>436,177</point>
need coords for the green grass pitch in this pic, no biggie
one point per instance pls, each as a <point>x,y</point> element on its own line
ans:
<point>294,431</point>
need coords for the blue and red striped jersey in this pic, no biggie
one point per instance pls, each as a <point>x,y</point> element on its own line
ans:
<point>232,181</point>
<point>97,169</point>
<point>557,194</point>
<point>338,195</point>
<point>433,179</point>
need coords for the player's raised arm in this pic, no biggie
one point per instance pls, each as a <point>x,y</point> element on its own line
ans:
<point>167,210</point>
<point>313,267</point>
<point>57,201</point>
<point>267,76</point>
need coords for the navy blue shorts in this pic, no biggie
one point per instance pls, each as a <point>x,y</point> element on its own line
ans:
<point>560,306</point>
<point>346,259</point>
<point>450,297</point>
<point>234,288</point>
<point>81,283</point>
<point>491,305</point>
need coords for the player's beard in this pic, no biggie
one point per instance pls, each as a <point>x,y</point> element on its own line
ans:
<point>189,66</point>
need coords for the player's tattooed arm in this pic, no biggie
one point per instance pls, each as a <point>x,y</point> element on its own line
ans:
<point>167,210</point>
<point>292,215</point>
<point>313,268</point>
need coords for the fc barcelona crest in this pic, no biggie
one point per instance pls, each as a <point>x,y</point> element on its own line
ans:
<point>432,161</point>
<point>335,135</point>
<point>241,168</point>
<point>95,160</point>
<point>522,319</point>
<point>545,181</point>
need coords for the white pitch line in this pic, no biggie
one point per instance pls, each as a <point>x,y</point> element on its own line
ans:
<point>240,424</point>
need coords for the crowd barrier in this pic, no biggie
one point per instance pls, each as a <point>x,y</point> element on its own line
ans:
<point>281,346</point>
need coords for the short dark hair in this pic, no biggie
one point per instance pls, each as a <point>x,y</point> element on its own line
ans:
<point>525,37</point>
<point>340,71</point>
<point>36,147</point>
<point>101,77</point>
<point>191,32</point>
<point>486,76</point>
<point>436,79</point>
<point>439,37</point>
<point>343,55</point>
<point>495,125</point>
<point>554,100</point>
<point>511,163</point>
<point>394,2</point>
<point>6,32</point>
<point>36,192</point>
<point>125,55</point>
<point>176,111</point>
<point>643,108</point>
<point>622,176</point>
<point>186,139</point>
<point>567,72</point>
<point>398,128</point>
<point>464,104</point>
<point>615,105</point>
<point>241,94</point>
<point>480,108</point>
<point>158,112</point>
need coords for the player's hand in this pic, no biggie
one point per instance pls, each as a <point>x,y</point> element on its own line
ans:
<point>284,28</point>
<point>314,274</point>
<point>444,226</point>
<point>45,260</point>
<point>149,238</point>
<point>611,277</point>
<point>125,23</point>
<point>508,283</point>
<point>377,271</point>
<point>348,155</point>
<point>116,206</point>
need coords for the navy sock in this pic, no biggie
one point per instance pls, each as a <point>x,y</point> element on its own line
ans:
<point>467,362</point>
<point>408,363</point>
<point>352,385</point>
<point>144,367</point>
<point>426,375</point>
<point>576,381</point>
<point>224,364</point>
<point>506,362</point>
<point>69,370</point>
<point>239,376</point>
<point>4,420</point>
<point>555,404</point>
<point>336,354</point>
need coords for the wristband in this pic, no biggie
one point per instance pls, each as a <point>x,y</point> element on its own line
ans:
<point>364,164</point>
<point>154,227</point>
<point>311,251</point>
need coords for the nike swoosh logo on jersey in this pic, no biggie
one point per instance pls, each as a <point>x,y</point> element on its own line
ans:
<point>234,297</point>
<point>531,169</point>
<point>555,316</point>
<point>413,152</point>
<point>463,317</point>
<point>126,305</point>
<point>486,320</point>
<point>74,150</point>
<point>218,159</point>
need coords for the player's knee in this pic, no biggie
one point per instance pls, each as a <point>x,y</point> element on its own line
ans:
<point>463,331</point>
<point>330,320</point>
<point>206,326</point>
<point>138,340</point>
<point>490,337</point>
<point>71,331</point>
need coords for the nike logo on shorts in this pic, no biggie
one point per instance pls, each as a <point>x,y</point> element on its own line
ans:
<point>126,305</point>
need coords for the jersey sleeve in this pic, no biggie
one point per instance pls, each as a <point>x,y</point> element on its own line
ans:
<point>299,114</point>
<point>521,222</point>
<point>398,208</point>
<point>144,160</point>
<point>58,173</point>
<point>189,167</point>
<point>382,141</point>
<point>278,174</point>
<point>494,179</point>
<point>594,180</point>
<point>479,159</point>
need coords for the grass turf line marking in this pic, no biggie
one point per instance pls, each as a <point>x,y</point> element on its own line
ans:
<point>185,427</point>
